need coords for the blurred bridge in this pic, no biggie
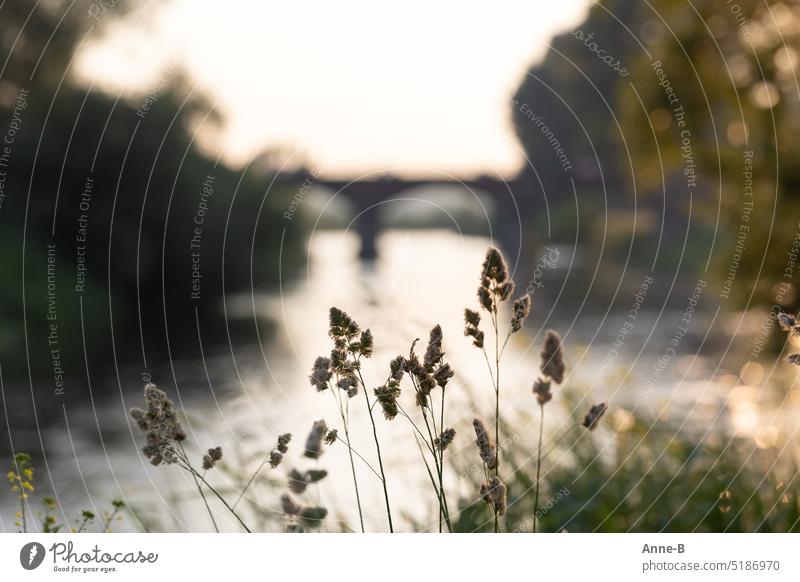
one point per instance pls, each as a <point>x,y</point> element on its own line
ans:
<point>366,195</point>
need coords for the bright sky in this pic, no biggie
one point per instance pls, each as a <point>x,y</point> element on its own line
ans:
<point>354,85</point>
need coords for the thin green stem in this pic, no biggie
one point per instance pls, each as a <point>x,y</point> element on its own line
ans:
<point>439,461</point>
<point>496,404</point>
<point>505,342</point>
<point>430,442</point>
<point>353,469</point>
<point>538,468</point>
<point>22,509</point>
<point>497,391</point>
<point>110,520</point>
<point>441,454</point>
<point>22,494</point>
<point>488,365</point>
<point>221,498</point>
<point>439,492</point>
<point>430,474</point>
<point>250,481</point>
<point>199,489</point>
<point>344,412</point>
<point>356,453</point>
<point>436,463</point>
<point>82,525</point>
<point>416,428</point>
<point>378,449</point>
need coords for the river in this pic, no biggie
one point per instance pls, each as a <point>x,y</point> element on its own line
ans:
<point>243,397</point>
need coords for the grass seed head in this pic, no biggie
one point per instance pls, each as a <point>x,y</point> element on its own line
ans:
<point>541,388</point>
<point>297,482</point>
<point>160,425</point>
<point>289,506</point>
<point>331,436</point>
<point>472,320</point>
<point>434,353</point>
<point>486,448</point>
<point>283,442</point>
<point>320,373</point>
<point>315,438</point>
<point>211,457</point>
<point>493,492</point>
<point>444,440</point>
<point>387,396</point>
<point>594,415</point>
<point>521,310</point>
<point>553,357</point>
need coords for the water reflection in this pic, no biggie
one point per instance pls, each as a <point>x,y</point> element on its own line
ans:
<point>243,400</point>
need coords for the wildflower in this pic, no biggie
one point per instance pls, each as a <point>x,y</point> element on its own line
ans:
<point>594,415</point>
<point>140,416</point>
<point>552,357</point>
<point>160,425</point>
<point>485,296</point>
<point>21,475</point>
<point>315,475</point>
<point>297,481</point>
<point>426,384</point>
<point>786,321</point>
<point>342,325</point>
<point>314,442</point>
<point>321,373</point>
<point>493,492</point>
<point>387,397</point>
<point>472,320</point>
<point>443,441</point>
<point>275,458</point>
<point>397,368</point>
<point>443,374</point>
<point>288,505</point>
<point>343,330</point>
<point>486,447</point>
<point>494,266</point>
<point>312,517</point>
<point>521,309</point>
<point>496,285</point>
<point>331,436</point>
<point>541,388</point>
<point>505,290</point>
<point>425,381</point>
<point>349,384</point>
<point>87,518</point>
<point>339,362</point>
<point>211,457</point>
<point>365,345</point>
<point>412,364</point>
<point>434,353</point>
<point>283,442</point>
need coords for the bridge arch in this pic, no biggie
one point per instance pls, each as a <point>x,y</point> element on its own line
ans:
<point>482,205</point>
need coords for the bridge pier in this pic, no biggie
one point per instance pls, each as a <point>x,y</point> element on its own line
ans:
<point>368,195</point>
<point>367,227</point>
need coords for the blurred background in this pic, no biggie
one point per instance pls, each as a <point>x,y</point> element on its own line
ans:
<point>186,188</point>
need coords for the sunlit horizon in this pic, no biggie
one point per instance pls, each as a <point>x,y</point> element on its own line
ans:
<point>347,89</point>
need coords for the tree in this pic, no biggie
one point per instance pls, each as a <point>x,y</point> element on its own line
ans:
<point>719,99</point>
<point>113,189</point>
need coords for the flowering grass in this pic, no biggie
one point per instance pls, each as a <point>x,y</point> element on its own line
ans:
<point>626,474</point>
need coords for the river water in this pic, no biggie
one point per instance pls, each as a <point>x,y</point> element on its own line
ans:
<point>243,397</point>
